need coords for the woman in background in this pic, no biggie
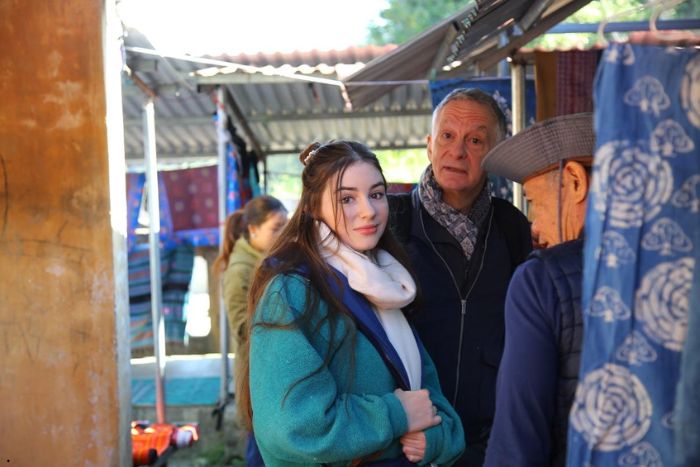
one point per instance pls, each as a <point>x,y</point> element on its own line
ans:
<point>334,374</point>
<point>249,234</point>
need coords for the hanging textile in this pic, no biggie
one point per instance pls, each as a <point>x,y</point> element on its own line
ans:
<point>546,84</point>
<point>134,194</point>
<point>233,198</point>
<point>254,182</point>
<point>500,90</point>
<point>194,204</point>
<point>641,233</point>
<point>135,197</point>
<point>176,272</point>
<point>240,162</point>
<point>193,197</point>
<point>575,73</point>
<point>564,82</point>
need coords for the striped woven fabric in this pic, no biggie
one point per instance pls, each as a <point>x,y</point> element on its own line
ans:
<point>176,273</point>
<point>575,72</point>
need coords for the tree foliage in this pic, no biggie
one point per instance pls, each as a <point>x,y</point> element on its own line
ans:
<point>404,19</point>
<point>597,11</point>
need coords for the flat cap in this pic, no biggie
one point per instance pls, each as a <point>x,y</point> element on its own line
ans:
<point>542,145</point>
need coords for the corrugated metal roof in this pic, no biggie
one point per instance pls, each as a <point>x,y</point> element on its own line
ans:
<point>283,114</point>
<point>464,44</point>
<point>385,104</point>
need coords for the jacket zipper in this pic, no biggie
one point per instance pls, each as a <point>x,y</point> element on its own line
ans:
<point>463,300</point>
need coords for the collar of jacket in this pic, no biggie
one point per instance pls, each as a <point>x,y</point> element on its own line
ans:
<point>429,229</point>
<point>368,323</point>
<point>244,247</point>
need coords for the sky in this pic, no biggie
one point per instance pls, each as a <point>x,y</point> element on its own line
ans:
<point>212,27</point>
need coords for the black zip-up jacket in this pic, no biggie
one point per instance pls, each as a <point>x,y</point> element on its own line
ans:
<point>461,319</point>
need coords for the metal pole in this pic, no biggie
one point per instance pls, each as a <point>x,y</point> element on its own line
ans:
<point>265,177</point>
<point>149,146</point>
<point>517,82</point>
<point>503,64</point>
<point>222,138</point>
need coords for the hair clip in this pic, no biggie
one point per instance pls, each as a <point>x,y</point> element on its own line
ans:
<point>311,154</point>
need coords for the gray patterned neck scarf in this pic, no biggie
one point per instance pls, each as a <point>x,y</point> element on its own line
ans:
<point>463,227</point>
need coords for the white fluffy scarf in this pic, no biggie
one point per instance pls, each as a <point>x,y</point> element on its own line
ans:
<point>387,285</point>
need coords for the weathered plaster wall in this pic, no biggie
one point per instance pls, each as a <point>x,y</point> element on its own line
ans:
<point>59,389</point>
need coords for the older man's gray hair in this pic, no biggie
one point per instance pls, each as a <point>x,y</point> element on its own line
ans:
<point>481,97</point>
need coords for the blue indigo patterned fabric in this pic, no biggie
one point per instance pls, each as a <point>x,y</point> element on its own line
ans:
<point>641,232</point>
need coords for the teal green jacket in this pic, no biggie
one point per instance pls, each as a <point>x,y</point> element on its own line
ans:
<point>307,414</point>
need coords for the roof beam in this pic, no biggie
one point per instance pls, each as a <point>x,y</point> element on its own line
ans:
<point>297,149</point>
<point>271,118</point>
<point>165,156</point>
<point>489,59</point>
<point>624,26</point>
<point>444,49</point>
<point>198,121</point>
<point>337,115</point>
<point>245,78</point>
<point>161,90</point>
<point>141,84</point>
<point>506,16</point>
<point>534,13</point>
<point>294,148</point>
<point>231,107</point>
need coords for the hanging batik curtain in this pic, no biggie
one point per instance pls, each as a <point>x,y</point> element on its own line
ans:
<point>641,235</point>
<point>500,90</point>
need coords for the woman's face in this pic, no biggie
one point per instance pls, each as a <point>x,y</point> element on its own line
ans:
<point>361,204</point>
<point>264,235</point>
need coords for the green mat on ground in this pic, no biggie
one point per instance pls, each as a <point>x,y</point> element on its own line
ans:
<point>178,391</point>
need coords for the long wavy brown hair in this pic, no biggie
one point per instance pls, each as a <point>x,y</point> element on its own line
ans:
<point>297,247</point>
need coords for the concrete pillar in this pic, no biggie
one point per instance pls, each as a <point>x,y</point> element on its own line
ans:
<point>64,354</point>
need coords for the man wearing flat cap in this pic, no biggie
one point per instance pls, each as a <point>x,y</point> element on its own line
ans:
<point>539,370</point>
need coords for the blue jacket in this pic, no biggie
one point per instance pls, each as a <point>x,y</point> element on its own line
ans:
<point>461,321</point>
<point>305,413</point>
<point>539,371</point>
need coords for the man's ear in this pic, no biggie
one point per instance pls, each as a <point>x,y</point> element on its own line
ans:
<point>429,147</point>
<point>575,181</point>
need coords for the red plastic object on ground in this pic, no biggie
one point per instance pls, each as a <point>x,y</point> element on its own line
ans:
<point>151,440</point>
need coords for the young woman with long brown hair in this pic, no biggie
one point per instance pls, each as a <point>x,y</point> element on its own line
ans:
<point>335,374</point>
